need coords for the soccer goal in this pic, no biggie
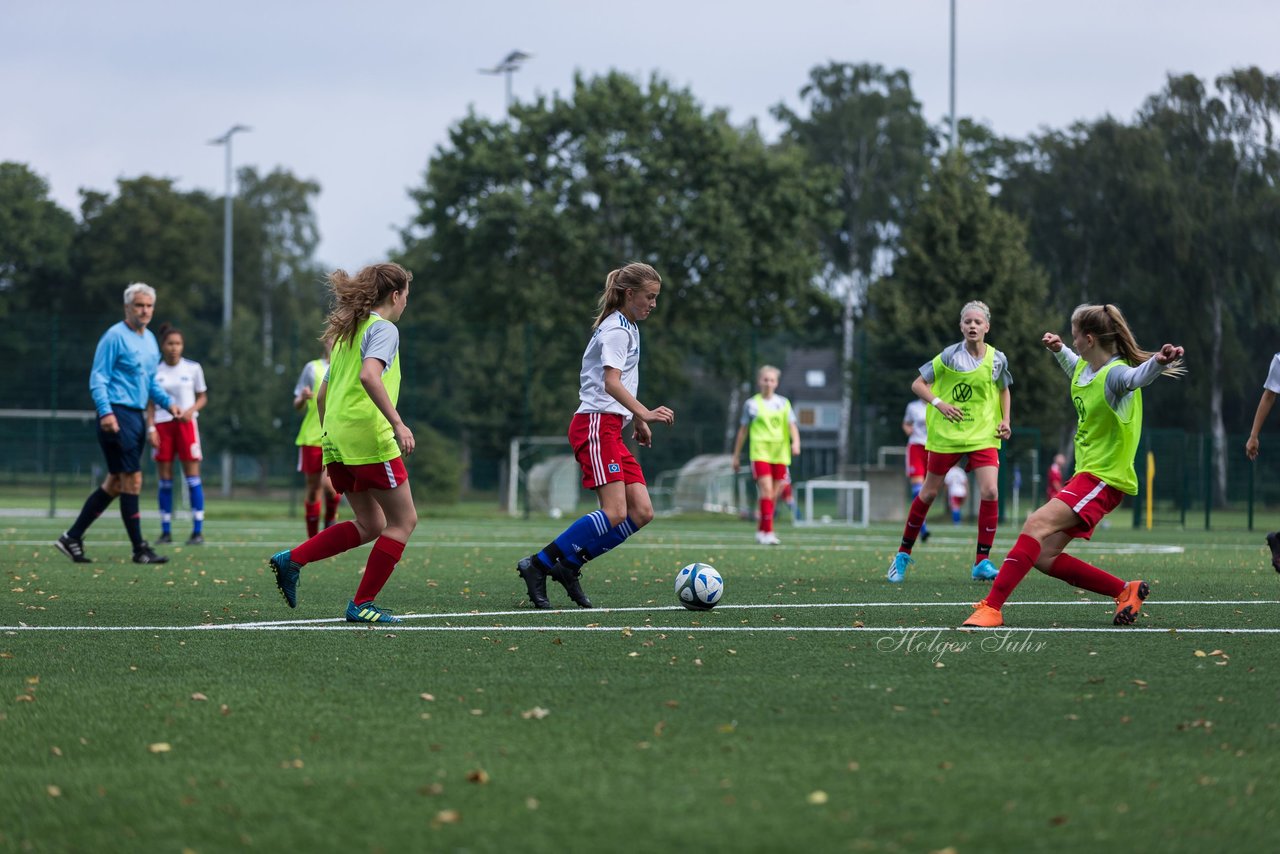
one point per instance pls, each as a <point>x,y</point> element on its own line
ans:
<point>541,477</point>
<point>706,482</point>
<point>835,502</point>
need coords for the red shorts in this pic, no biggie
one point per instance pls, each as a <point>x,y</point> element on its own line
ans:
<point>359,478</point>
<point>1090,499</point>
<point>596,439</point>
<point>777,471</point>
<point>917,460</point>
<point>957,501</point>
<point>940,464</point>
<point>310,459</point>
<point>180,438</point>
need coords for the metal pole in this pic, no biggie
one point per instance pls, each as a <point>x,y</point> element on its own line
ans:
<point>226,262</point>
<point>953,75</point>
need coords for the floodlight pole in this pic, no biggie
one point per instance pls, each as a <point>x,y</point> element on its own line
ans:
<point>953,75</point>
<point>509,66</point>
<point>225,140</point>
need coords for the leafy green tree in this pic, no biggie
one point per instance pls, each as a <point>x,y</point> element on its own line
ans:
<point>521,220</point>
<point>959,246</point>
<point>864,126</point>
<point>35,279</point>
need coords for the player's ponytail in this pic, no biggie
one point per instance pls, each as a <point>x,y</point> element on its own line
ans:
<point>354,297</point>
<point>631,277</point>
<point>167,329</point>
<point>1107,324</point>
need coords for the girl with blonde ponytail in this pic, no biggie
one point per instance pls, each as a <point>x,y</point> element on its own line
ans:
<point>610,382</point>
<point>1107,371</point>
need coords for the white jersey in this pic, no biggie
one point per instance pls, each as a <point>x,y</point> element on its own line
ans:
<point>614,344</point>
<point>183,382</point>
<point>957,482</point>
<point>915,416</point>
<point>1273,375</point>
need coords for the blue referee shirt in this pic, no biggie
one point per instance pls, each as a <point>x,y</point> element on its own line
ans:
<point>124,370</point>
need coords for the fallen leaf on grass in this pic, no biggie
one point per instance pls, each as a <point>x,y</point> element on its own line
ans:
<point>53,791</point>
<point>817,797</point>
<point>159,747</point>
<point>224,709</point>
<point>1058,820</point>
<point>536,713</point>
<point>1200,653</point>
<point>24,698</point>
<point>198,697</point>
<point>479,776</point>
<point>1141,684</point>
<point>448,817</point>
<point>430,698</point>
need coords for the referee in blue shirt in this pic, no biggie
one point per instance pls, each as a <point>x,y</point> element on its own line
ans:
<point>122,381</point>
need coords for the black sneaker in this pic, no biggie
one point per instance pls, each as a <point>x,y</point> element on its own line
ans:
<point>195,540</point>
<point>568,576</point>
<point>1273,540</point>
<point>144,554</point>
<point>535,579</point>
<point>925,534</point>
<point>164,539</point>
<point>72,547</point>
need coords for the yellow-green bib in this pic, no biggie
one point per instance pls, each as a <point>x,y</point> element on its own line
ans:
<point>770,433</point>
<point>977,396</point>
<point>355,432</point>
<point>309,433</point>
<point>1106,443</point>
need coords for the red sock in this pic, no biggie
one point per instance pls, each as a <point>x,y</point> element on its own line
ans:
<point>312,512</point>
<point>327,543</point>
<point>330,508</point>
<point>1015,568</point>
<point>988,517</point>
<point>915,521</point>
<point>1077,573</point>
<point>766,514</point>
<point>382,562</point>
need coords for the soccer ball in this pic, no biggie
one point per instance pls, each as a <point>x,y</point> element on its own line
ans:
<point>699,587</point>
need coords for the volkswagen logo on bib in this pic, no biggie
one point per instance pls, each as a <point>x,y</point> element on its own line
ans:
<point>962,393</point>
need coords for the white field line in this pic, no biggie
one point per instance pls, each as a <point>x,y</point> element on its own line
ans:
<point>860,543</point>
<point>330,623</point>
<point>795,630</point>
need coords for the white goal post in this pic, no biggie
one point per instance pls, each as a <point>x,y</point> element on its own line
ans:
<point>853,502</point>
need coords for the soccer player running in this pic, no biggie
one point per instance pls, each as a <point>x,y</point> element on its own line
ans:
<point>1108,372</point>
<point>364,439</point>
<point>310,454</point>
<point>1269,391</point>
<point>123,383</point>
<point>610,382</point>
<point>177,435</point>
<point>771,423</point>
<point>915,425</point>
<point>967,386</point>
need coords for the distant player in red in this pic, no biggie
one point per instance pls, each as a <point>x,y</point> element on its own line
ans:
<point>1106,376</point>
<point>178,435</point>
<point>915,426</point>
<point>1054,483</point>
<point>610,380</point>
<point>310,454</point>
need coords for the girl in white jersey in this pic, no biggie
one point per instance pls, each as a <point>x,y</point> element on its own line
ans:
<point>1107,373</point>
<point>364,439</point>
<point>178,435</point>
<point>1270,389</point>
<point>609,382</point>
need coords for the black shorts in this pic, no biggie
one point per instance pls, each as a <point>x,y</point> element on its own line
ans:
<point>123,450</point>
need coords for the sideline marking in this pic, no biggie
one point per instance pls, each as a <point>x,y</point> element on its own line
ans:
<point>398,627</point>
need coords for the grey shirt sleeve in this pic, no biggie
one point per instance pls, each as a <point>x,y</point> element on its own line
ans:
<point>381,341</point>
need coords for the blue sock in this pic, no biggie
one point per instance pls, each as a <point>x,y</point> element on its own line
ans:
<point>166,504</point>
<point>590,527</point>
<point>955,517</point>
<point>197,502</point>
<point>610,539</point>
<point>915,490</point>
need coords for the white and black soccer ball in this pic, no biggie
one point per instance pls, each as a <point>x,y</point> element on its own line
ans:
<point>699,587</point>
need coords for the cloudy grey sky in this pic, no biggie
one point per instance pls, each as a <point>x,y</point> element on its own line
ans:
<point>356,95</point>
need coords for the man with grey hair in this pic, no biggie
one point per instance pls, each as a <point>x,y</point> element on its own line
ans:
<point>122,381</point>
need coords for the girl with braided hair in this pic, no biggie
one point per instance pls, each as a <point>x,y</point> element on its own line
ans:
<point>1107,371</point>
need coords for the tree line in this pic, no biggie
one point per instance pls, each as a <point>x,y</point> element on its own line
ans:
<point>858,229</point>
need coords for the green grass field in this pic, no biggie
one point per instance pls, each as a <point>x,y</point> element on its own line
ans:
<point>184,707</point>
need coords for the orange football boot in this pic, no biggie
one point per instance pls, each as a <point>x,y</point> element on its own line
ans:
<point>1129,602</point>
<point>984,617</point>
